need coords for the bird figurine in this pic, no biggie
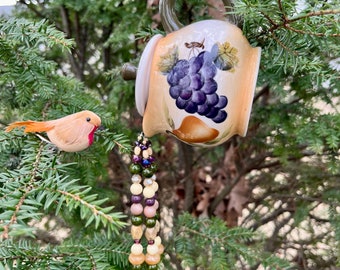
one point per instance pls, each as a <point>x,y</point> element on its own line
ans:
<point>72,133</point>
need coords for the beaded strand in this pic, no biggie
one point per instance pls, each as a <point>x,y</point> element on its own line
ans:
<point>144,206</point>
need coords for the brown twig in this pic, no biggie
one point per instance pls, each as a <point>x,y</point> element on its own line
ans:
<point>286,23</point>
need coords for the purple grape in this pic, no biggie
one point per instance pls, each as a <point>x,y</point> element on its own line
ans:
<point>181,103</point>
<point>172,78</point>
<point>185,81</point>
<point>198,61</point>
<point>222,102</point>
<point>208,57</point>
<point>198,97</point>
<point>212,113</point>
<point>208,70</point>
<point>195,65</point>
<point>175,91</point>
<point>191,107</point>
<point>186,94</point>
<point>212,99</point>
<point>180,69</point>
<point>214,52</point>
<point>203,109</point>
<point>193,87</point>
<point>196,81</point>
<point>220,117</point>
<point>209,87</point>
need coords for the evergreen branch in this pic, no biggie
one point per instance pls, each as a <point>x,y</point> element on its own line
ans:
<point>99,214</point>
<point>27,190</point>
<point>282,44</point>
<point>315,13</point>
<point>113,139</point>
<point>304,32</point>
<point>38,32</point>
<point>84,255</point>
<point>215,246</point>
<point>285,23</point>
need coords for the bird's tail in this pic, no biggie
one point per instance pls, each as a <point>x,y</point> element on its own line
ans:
<point>31,126</point>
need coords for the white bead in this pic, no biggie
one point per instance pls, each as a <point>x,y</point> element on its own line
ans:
<point>136,189</point>
<point>136,178</point>
<point>136,249</point>
<point>152,249</point>
<point>148,182</point>
<point>153,177</point>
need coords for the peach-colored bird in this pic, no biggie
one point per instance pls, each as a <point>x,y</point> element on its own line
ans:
<point>72,133</point>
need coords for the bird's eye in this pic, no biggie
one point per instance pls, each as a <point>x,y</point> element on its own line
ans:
<point>88,119</point>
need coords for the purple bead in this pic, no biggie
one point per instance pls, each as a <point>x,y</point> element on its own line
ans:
<point>136,241</point>
<point>151,242</point>
<point>136,198</point>
<point>151,158</point>
<point>143,147</point>
<point>136,159</point>
<point>150,201</point>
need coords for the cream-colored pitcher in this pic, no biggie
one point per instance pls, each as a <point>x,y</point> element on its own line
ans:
<point>197,83</point>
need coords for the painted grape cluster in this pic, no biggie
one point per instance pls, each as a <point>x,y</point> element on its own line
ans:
<point>193,86</point>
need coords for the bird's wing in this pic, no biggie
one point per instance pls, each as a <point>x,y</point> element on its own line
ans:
<point>71,132</point>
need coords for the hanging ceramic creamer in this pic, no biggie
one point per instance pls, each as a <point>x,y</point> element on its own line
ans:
<point>197,83</point>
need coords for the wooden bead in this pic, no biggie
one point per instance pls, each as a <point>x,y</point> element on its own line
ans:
<point>149,192</point>
<point>154,186</point>
<point>158,240</point>
<point>150,222</point>
<point>156,205</point>
<point>136,189</point>
<point>136,209</point>
<point>145,154</point>
<point>137,150</point>
<point>160,249</point>
<point>152,259</point>
<point>149,211</point>
<point>135,168</point>
<point>151,233</point>
<point>136,259</point>
<point>136,231</point>
<point>137,220</point>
